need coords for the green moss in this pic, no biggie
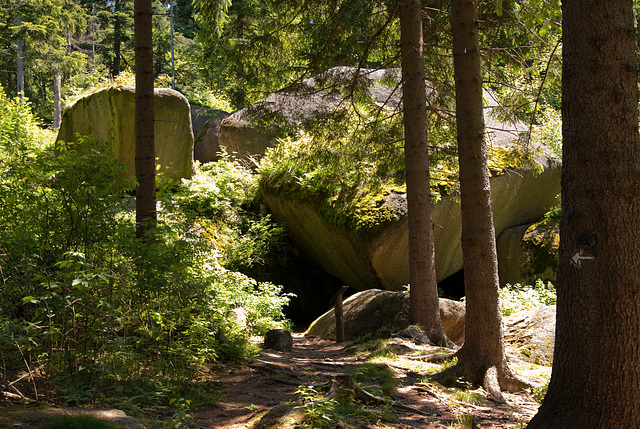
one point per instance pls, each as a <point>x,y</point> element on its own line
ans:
<point>77,422</point>
<point>541,242</point>
<point>346,169</point>
<point>362,215</point>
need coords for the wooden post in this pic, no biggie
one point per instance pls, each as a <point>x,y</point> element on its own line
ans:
<point>336,301</point>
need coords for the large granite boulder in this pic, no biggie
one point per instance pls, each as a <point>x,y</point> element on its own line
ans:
<point>528,252</point>
<point>250,131</point>
<point>382,260</point>
<point>200,115</point>
<point>373,310</point>
<point>529,334</point>
<point>207,148</point>
<point>109,115</point>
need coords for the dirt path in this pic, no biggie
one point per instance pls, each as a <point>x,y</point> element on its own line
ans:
<point>251,390</point>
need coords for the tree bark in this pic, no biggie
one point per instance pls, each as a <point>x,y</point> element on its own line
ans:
<point>424,303</point>
<point>117,37</point>
<point>144,128</point>
<point>481,360</point>
<point>57,96</point>
<point>595,381</point>
<point>20,64</point>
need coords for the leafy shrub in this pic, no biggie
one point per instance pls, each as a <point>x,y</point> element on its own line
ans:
<point>549,132</point>
<point>218,190</point>
<point>20,133</point>
<point>221,196</point>
<point>539,392</point>
<point>92,308</point>
<point>514,298</point>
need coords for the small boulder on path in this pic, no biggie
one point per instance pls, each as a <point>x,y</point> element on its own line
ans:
<point>278,339</point>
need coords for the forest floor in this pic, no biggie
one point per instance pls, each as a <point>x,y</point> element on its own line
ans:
<point>242,393</point>
<point>250,391</point>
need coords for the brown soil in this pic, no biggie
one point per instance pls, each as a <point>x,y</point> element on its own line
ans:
<point>251,390</point>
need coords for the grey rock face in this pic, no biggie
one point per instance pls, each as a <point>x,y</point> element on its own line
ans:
<point>530,334</point>
<point>109,115</point>
<point>527,253</point>
<point>382,261</point>
<point>373,310</point>
<point>278,339</point>
<point>249,132</point>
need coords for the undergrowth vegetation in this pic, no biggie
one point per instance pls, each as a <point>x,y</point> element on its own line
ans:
<point>517,297</point>
<point>89,314</point>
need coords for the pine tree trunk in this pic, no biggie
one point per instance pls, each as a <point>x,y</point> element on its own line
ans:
<point>483,332</point>
<point>117,37</point>
<point>20,65</point>
<point>595,381</point>
<point>57,96</point>
<point>144,129</point>
<point>481,360</point>
<point>424,302</point>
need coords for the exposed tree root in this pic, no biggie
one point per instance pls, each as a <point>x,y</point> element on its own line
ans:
<point>345,382</point>
<point>288,416</point>
<point>285,373</point>
<point>420,336</point>
<point>492,379</point>
<point>439,357</point>
<point>492,385</point>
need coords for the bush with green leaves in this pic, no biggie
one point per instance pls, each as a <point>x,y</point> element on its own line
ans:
<point>517,297</point>
<point>221,196</point>
<point>94,310</point>
<point>549,132</point>
<point>20,133</point>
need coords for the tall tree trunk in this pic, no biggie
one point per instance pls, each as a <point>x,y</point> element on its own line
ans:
<point>595,381</point>
<point>117,37</point>
<point>57,104</point>
<point>145,146</point>
<point>93,24</point>
<point>20,64</point>
<point>481,360</point>
<point>424,303</point>
<point>239,96</point>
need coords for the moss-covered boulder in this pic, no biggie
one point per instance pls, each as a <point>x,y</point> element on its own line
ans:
<point>250,131</point>
<point>529,334</point>
<point>109,115</point>
<point>374,310</point>
<point>381,260</point>
<point>528,252</point>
